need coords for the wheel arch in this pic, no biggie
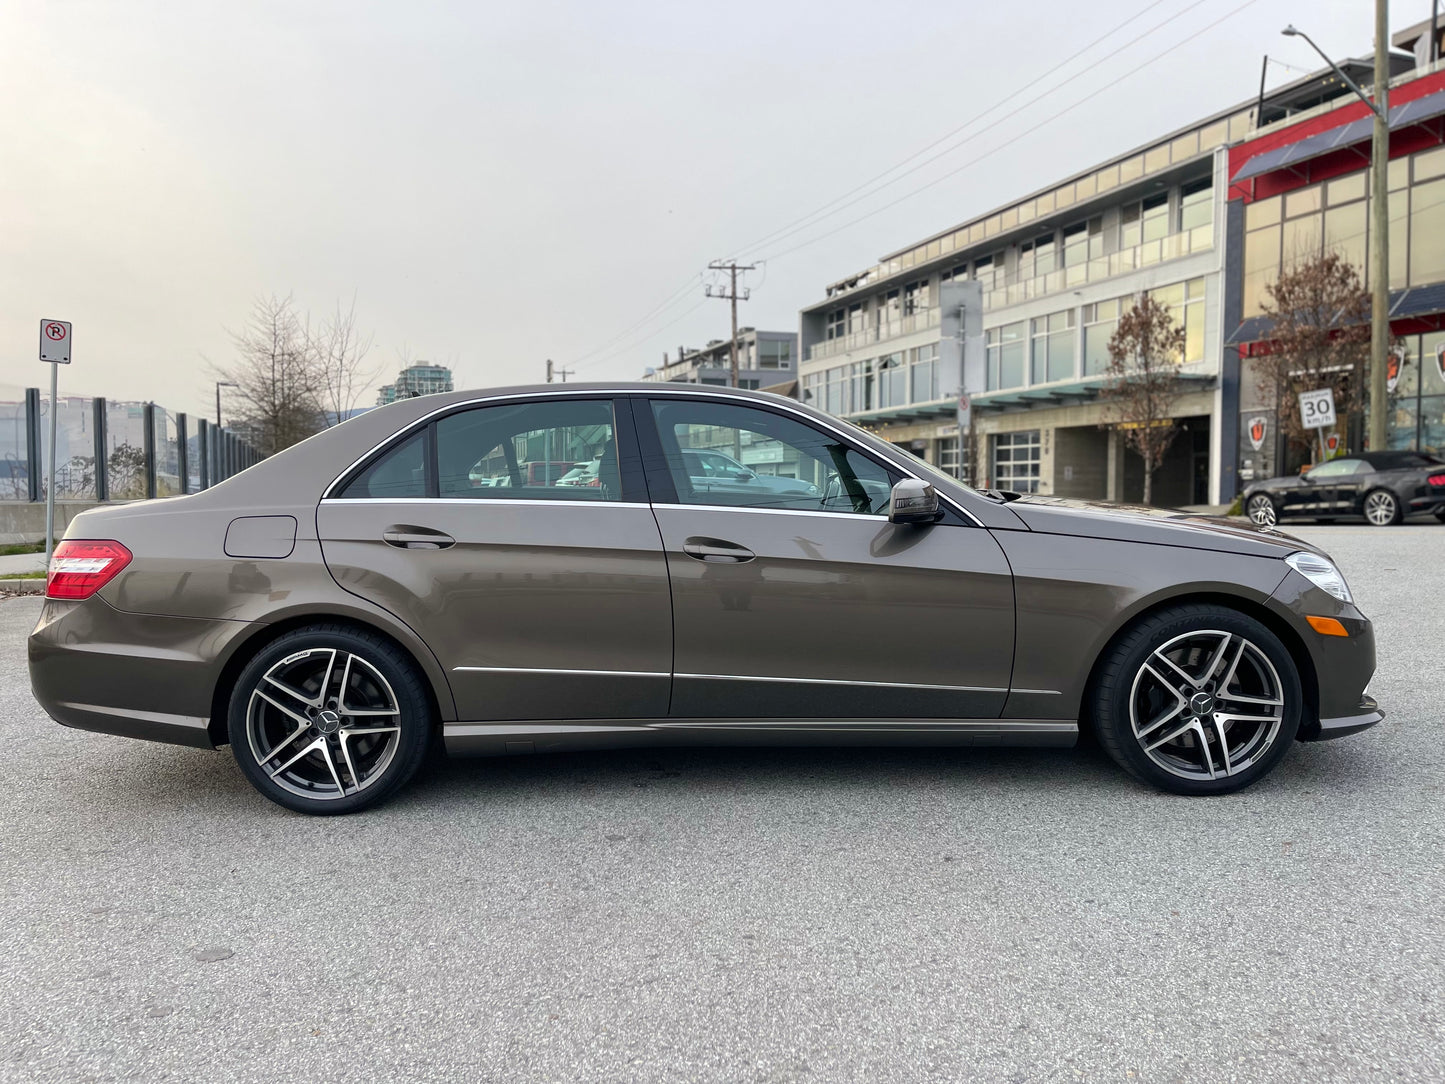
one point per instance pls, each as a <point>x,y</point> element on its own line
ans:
<point>1293,643</point>
<point>262,636</point>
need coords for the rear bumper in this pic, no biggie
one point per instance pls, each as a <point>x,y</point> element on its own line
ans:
<point>94,667</point>
<point>1338,727</point>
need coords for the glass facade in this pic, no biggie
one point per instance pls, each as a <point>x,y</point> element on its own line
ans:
<point>1334,215</point>
<point>1417,404</point>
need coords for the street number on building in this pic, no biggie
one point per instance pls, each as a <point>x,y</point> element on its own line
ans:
<point>55,341</point>
<point>1317,408</point>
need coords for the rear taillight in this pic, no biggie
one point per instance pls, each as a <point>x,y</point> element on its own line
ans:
<point>1437,479</point>
<point>80,567</point>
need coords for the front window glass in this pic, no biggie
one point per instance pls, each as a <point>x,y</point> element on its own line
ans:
<point>1335,468</point>
<point>525,450</point>
<point>721,454</point>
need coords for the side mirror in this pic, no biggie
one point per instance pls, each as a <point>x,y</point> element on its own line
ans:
<point>912,501</point>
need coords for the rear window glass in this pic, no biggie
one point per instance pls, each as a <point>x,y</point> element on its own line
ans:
<point>400,472</point>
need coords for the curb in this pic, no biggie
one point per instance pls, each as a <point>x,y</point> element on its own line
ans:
<point>22,587</point>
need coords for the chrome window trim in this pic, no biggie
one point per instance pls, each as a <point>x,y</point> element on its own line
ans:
<point>484,501</point>
<point>614,393</point>
<point>774,511</point>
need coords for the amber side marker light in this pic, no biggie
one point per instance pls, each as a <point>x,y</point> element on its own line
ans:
<point>1326,626</point>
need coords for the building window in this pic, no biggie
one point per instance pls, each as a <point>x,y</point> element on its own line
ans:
<point>775,354</point>
<point>1053,347</point>
<point>835,324</point>
<point>812,389</point>
<point>988,270</point>
<point>1185,302</point>
<point>1100,323</point>
<point>1145,221</point>
<point>1036,257</point>
<point>890,310</point>
<point>1196,204</point>
<point>855,318</point>
<point>949,460</point>
<point>861,376</point>
<point>1083,241</point>
<point>915,297</point>
<point>1006,349</point>
<point>835,391</point>
<point>892,381</point>
<point>923,373</point>
<point>1016,461</point>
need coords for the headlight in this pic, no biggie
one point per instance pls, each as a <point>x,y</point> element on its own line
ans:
<point>1321,572</point>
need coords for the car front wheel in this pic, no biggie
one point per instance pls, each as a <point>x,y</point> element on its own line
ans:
<point>1198,699</point>
<point>329,719</point>
<point>1261,511</point>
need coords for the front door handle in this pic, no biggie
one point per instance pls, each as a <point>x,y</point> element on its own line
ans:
<point>716,549</point>
<point>406,537</point>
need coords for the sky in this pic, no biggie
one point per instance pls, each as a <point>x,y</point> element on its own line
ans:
<point>498,184</point>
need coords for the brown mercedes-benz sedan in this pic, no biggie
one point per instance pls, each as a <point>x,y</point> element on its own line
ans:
<point>722,567</point>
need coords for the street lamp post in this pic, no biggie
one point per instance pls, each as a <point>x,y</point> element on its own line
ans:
<point>1379,216</point>
<point>219,385</point>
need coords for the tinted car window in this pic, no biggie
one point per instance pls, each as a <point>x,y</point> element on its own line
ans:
<point>523,450</point>
<point>1336,468</point>
<point>721,454</point>
<point>401,472</point>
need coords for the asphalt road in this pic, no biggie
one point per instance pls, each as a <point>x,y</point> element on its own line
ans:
<point>737,915</point>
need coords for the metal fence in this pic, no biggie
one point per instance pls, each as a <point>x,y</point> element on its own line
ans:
<point>107,450</point>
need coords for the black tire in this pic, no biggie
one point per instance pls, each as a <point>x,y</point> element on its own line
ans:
<point>1382,508</point>
<point>1439,514</point>
<point>1256,508</point>
<point>369,755</point>
<point>1121,683</point>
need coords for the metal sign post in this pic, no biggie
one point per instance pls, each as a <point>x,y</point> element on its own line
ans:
<point>1317,412</point>
<point>55,338</point>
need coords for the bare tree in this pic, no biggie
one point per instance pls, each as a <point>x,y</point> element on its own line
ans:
<point>337,352</point>
<point>1144,384</point>
<point>277,386</point>
<point>1320,339</point>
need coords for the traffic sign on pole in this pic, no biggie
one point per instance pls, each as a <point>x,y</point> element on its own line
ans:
<point>1317,408</point>
<point>55,341</point>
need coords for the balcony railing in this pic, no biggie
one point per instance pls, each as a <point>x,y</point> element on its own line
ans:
<point>1160,250</point>
<point>904,325</point>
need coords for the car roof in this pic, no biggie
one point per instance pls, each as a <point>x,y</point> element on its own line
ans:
<point>1398,459</point>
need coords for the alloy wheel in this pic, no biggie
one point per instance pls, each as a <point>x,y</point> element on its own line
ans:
<point>1206,705</point>
<point>1381,508</point>
<point>1261,511</point>
<point>323,723</point>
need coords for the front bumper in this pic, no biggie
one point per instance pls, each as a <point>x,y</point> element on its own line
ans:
<point>1339,726</point>
<point>94,667</point>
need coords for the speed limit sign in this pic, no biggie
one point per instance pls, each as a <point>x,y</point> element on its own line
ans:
<point>1317,408</point>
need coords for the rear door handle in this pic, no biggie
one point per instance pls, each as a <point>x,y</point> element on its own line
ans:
<point>407,537</point>
<point>716,549</point>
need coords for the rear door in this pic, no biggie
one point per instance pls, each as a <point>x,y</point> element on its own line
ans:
<point>541,601</point>
<point>811,605</point>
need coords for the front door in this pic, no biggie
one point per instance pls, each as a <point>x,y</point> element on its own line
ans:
<point>541,601</point>
<point>805,602</point>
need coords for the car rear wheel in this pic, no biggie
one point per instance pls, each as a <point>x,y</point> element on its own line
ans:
<point>329,719</point>
<point>1198,700</point>
<point>1382,508</point>
<point>1261,511</point>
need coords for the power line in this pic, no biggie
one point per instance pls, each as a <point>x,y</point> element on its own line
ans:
<point>990,153</point>
<point>818,212</point>
<point>650,335</point>
<point>672,299</point>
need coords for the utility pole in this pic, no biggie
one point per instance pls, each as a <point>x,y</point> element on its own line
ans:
<point>730,292</point>
<point>1379,217</point>
<point>1380,233</point>
<point>549,370</point>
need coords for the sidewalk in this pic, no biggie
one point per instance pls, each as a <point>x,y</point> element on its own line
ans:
<point>21,562</point>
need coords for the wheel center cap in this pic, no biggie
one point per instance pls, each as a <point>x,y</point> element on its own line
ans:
<point>1201,703</point>
<point>328,722</point>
